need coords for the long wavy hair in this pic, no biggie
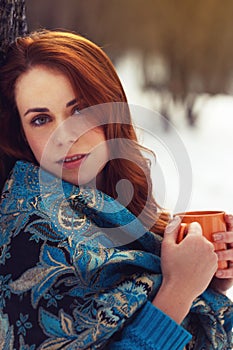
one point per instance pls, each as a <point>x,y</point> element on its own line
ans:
<point>95,80</point>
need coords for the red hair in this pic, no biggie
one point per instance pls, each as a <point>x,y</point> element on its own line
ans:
<point>95,80</point>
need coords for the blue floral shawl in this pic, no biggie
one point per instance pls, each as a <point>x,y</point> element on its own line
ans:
<point>75,266</point>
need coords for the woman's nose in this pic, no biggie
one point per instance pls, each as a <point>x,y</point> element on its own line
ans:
<point>65,133</point>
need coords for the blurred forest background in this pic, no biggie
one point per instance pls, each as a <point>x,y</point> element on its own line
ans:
<point>185,46</point>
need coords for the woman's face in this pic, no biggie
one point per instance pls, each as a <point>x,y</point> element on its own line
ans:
<point>52,123</point>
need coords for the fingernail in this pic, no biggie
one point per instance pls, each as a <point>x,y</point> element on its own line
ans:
<point>176,219</point>
<point>194,228</point>
<point>173,223</point>
<point>217,237</point>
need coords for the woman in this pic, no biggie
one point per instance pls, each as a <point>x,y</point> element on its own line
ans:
<point>91,277</point>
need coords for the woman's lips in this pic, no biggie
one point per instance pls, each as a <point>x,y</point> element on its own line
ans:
<point>73,161</point>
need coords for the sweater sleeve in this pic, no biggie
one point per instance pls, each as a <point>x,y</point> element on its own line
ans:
<point>151,329</point>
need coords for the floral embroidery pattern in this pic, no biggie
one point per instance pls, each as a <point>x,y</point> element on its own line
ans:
<point>60,279</point>
<point>52,297</point>
<point>5,292</point>
<point>4,254</point>
<point>41,278</point>
<point>6,333</point>
<point>23,324</point>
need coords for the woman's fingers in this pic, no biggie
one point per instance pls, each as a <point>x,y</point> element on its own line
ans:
<point>229,221</point>
<point>172,229</point>
<point>195,229</point>
<point>227,273</point>
<point>225,254</point>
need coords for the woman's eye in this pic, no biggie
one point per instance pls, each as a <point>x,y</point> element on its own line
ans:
<point>40,120</point>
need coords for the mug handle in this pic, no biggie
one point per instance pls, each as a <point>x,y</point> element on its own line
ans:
<point>183,231</point>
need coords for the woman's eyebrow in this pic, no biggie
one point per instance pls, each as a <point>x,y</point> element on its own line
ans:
<point>37,109</point>
<point>43,110</point>
<point>71,103</point>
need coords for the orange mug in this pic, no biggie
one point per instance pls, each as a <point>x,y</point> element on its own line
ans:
<point>210,221</point>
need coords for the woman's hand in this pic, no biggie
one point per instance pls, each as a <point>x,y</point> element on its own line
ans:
<point>187,269</point>
<point>224,278</point>
<point>192,263</point>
